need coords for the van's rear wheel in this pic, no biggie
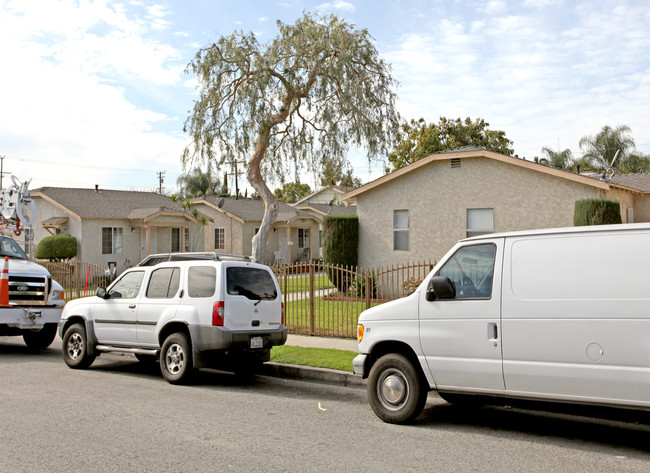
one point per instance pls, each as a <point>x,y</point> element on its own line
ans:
<point>176,359</point>
<point>395,390</point>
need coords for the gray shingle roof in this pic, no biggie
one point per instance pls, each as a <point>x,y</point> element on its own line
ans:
<point>89,203</point>
<point>332,209</point>
<point>635,181</point>
<point>252,210</point>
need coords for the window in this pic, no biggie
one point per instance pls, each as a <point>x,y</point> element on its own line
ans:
<point>128,286</point>
<point>471,269</point>
<point>401,224</point>
<point>164,283</point>
<point>201,281</point>
<point>176,240</point>
<point>630,215</point>
<point>252,283</point>
<point>112,240</point>
<point>480,221</point>
<point>186,231</point>
<point>219,238</point>
<point>303,238</point>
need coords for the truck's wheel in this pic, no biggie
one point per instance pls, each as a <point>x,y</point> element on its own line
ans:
<point>176,359</point>
<point>41,339</point>
<point>395,390</point>
<point>75,347</point>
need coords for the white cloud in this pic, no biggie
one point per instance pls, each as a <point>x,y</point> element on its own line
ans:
<point>337,5</point>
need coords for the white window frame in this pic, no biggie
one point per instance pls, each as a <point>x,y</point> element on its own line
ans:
<point>303,238</point>
<point>117,240</point>
<point>480,221</point>
<point>401,230</point>
<point>219,238</point>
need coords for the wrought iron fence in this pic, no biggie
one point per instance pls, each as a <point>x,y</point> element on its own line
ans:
<point>78,278</point>
<point>326,300</point>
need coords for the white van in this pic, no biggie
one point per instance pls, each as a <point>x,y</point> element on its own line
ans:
<point>557,314</point>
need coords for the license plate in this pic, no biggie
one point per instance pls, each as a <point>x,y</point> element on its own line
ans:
<point>257,342</point>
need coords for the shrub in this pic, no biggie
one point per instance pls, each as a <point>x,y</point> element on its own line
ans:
<point>340,246</point>
<point>57,248</point>
<point>596,212</point>
<point>358,285</point>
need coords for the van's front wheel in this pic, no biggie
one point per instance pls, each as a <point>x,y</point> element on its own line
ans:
<point>395,390</point>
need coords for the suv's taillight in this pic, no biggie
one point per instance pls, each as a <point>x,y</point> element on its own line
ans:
<point>282,313</point>
<point>217,314</point>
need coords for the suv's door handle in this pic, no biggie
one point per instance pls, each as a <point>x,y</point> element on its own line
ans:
<point>132,306</point>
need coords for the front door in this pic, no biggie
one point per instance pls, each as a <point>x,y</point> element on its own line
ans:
<point>115,317</point>
<point>461,337</point>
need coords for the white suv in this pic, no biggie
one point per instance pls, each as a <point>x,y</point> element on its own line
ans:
<point>186,314</point>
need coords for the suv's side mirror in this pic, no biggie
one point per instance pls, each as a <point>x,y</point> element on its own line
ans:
<point>440,287</point>
<point>101,292</point>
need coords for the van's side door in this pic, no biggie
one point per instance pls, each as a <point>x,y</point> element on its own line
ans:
<point>461,337</point>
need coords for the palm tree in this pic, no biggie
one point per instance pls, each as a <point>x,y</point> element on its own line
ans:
<point>197,183</point>
<point>557,159</point>
<point>602,148</point>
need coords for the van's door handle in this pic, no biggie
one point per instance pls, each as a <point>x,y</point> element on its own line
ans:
<point>493,332</point>
<point>132,306</point>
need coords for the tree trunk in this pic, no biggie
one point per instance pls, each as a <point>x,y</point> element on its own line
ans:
<point>271,204</point>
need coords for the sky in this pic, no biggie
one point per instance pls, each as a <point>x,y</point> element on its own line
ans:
<point>95,92</point>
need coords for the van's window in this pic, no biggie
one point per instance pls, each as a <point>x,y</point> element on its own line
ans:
<point>164,283</point>
<point>471,269</point>
<point>128,286</point>
<point>252,283</point>
<point>201,281</point>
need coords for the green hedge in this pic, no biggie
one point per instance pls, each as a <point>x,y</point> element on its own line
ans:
<point>596,212</point>
<point>57,248</point>
<point>340,245</point>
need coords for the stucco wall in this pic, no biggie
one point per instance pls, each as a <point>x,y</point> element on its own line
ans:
<point>438,196</point>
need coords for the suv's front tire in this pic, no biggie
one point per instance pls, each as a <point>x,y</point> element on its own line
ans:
<point>75,347</point>
<point>176,359</point>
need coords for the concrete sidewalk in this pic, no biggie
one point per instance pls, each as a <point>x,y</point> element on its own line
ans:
<point>308,341</point>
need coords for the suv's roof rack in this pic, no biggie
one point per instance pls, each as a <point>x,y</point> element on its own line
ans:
<point>153,260</point>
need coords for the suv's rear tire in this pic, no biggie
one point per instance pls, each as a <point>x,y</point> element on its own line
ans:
<point>395,390</point>
<point>41,339</point>
<point>75,347</point>
<point>176,359</point>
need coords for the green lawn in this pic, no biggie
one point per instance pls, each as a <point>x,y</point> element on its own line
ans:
<point>330,317</point>
<point>301,283</point>
<point>318,357</point>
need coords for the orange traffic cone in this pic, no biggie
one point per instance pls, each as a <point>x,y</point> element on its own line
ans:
<point>4,285</point>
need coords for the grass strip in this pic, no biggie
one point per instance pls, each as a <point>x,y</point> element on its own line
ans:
<point>318,357</point>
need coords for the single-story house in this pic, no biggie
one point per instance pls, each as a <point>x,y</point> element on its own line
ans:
<point>234,222</point>
<point>115,229</point>
<point>329,195</point>
<point>419,211</point>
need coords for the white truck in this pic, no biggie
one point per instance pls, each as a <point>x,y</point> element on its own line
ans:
<point>35,299</point>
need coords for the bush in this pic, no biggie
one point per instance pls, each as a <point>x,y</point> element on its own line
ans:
<point>57,248</point>
<point>358,285</point>
<point>340,245</point>
<point>596,212</point>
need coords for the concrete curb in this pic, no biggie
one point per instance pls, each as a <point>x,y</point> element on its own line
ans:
<point>310,373</point>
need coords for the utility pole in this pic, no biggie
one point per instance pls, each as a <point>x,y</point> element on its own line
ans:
<point>2,162</point>
<point>161,179</point>
<point>236,173</point>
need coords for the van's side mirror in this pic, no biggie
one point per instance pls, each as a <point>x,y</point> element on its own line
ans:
<point>101,292</point>
<point>440,287</point>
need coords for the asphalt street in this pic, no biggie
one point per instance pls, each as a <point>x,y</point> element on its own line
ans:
<point>121,416</point>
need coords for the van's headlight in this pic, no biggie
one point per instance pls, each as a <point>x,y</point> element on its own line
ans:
<point>57,295</point>
<point>360,330</point>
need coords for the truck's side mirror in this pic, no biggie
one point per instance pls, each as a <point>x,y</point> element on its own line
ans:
<point>101,292</point>
<point>440,287</point>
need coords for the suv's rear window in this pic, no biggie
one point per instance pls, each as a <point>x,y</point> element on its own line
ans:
<point>253,283</point>
<point>201,281</point>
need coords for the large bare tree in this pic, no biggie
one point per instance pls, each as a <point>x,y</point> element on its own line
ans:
<point>316,89</point>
